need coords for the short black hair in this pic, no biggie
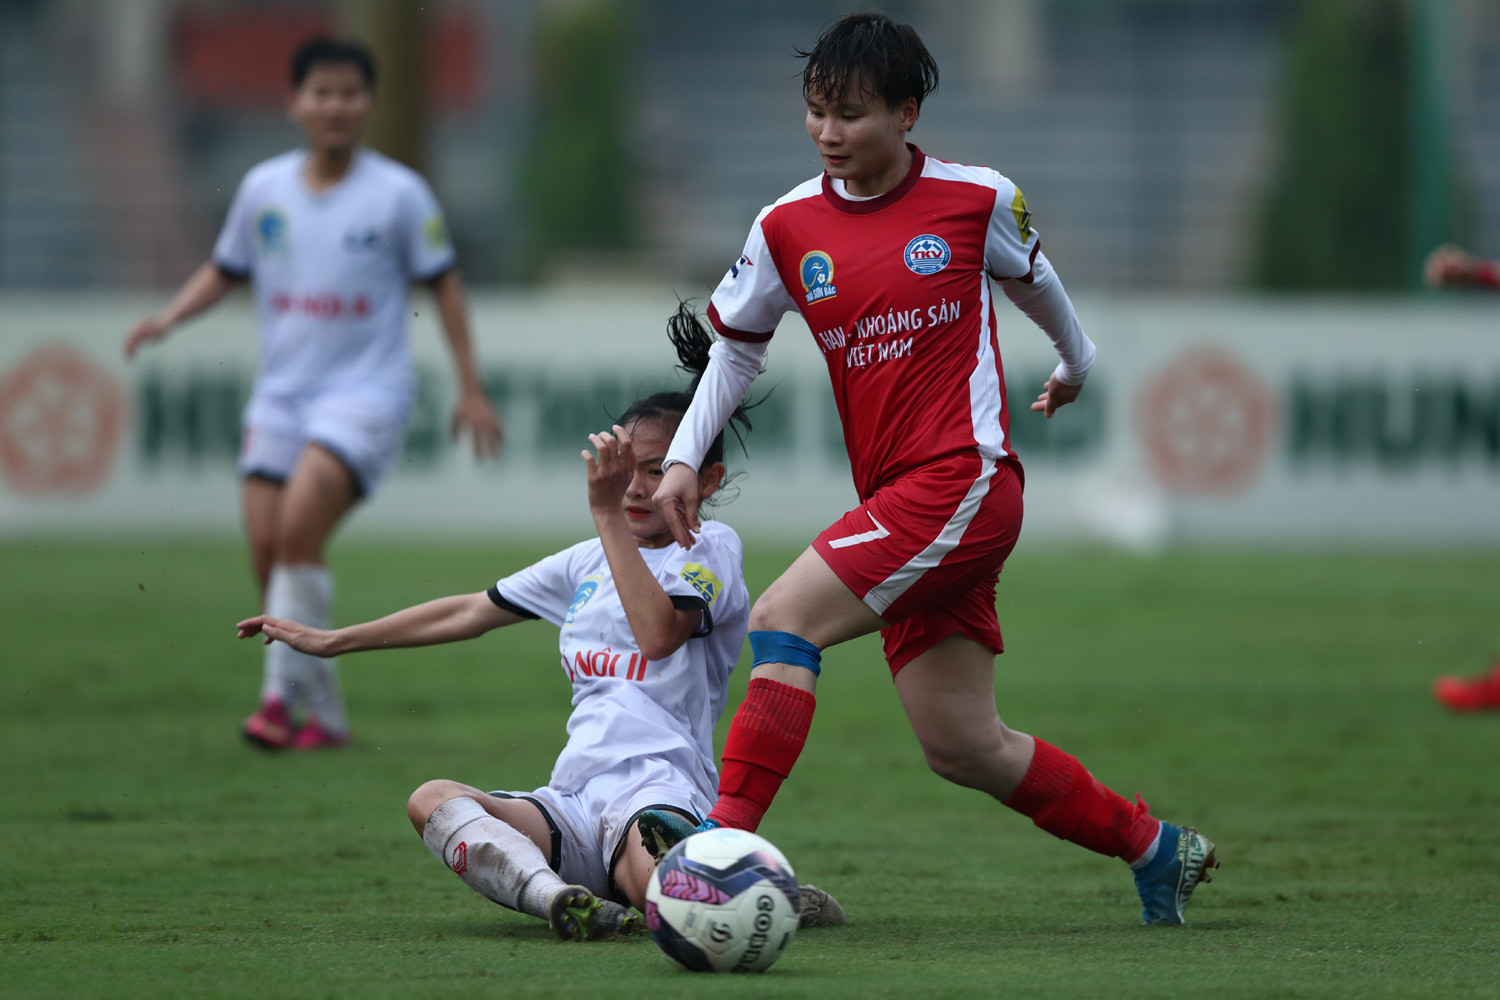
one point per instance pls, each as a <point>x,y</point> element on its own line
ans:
<point>870,51</point>
<point>336,51</point>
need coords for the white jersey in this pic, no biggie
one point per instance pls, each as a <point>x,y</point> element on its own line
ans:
<point>331,270</point>
<point>625,706</point>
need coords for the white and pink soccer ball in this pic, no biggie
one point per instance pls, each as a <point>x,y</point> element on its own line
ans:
<point>723,901</point>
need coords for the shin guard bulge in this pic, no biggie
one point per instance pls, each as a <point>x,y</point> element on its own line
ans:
<point>764,742</point>
<point>492,858</point>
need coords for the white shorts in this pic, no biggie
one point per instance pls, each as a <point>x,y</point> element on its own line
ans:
<point>365,428</point>
<point>589,825</point>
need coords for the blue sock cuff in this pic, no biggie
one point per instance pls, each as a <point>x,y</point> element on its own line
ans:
<point>783,647</point>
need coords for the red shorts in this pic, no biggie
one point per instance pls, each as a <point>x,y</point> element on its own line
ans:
<point>924,552</point>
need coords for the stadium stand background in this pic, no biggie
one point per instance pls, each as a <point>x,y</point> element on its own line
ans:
<point>1144,132</point>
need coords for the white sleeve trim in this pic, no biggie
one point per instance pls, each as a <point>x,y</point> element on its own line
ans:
<point>1045,302</point>
<point>732,366</point>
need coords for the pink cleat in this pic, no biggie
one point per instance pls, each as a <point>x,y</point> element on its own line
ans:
<point>312,736</point>
<point>269,727</point>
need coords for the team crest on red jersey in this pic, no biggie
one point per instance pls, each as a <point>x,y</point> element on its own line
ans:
<point>927,254</point>
<point>817,276</point>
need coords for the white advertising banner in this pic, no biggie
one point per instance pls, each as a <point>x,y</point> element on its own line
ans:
<point>1204,421</point>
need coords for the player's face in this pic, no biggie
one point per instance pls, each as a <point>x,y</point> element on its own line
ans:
<point>862,139</point>
<point>332,106</point>
<point>649,439</point>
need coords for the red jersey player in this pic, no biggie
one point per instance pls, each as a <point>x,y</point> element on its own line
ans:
<point>1449,266</point>
<point>889,256</point>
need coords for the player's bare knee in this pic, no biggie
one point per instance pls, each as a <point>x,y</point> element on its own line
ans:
<point>967,763</point>
<point>262,557</point>
<point>428,796</point>
<point>950,764</point>
<point>769,614</point>
<point>297,545</point>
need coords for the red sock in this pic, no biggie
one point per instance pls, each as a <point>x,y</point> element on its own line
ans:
<point>1062,797</point>
<point>764,742</point>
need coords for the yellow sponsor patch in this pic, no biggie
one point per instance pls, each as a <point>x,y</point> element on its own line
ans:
<point>437,233</point>
<point>702,579</point>
<point>1023,215</point>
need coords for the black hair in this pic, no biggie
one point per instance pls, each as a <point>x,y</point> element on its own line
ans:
<point>331,51</point>
<point>691,339</point>
<point>869,51</point>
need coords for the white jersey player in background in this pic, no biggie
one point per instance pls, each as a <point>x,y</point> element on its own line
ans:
<point>650,632</point>
<point>330,236</point>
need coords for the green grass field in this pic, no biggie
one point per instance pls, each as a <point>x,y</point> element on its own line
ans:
<point>1280,702</point>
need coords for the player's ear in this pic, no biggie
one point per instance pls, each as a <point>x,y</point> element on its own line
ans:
<point>710,478</point>
<point>908,112</point>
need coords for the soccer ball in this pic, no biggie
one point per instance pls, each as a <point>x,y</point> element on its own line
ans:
<point>723,901</point>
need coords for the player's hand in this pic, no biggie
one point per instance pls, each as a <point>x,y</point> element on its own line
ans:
<point>1055,394</point>
<point>1449,265</point>
<point>302,638</point>
<point>147,331</point>
<point>476,414</point>
<point>677,496</point>
<point>610,473</point>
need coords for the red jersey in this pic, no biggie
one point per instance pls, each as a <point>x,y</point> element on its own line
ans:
<point>895,290</point>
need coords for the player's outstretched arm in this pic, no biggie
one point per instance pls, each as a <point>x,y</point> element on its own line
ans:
<point>201,291</point>
<point>660,627</point>
<point>474,412</point>
<point>447,619</point>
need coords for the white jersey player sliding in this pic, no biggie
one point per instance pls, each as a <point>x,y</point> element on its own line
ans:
<point>330,236</point>
<point>650,632</point>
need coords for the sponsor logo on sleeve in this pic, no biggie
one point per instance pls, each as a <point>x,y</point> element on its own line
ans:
<point>927,254</point>
<point>702,579</point>
<point>436,233</point>
<point>744,261</point>
<point>1023,216</point>
<point>581,596</point>
<point>817,276</point>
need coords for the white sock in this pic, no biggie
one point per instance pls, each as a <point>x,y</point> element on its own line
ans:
<point>494,859</point>
<point>304,593</point>
<point>278,682</point>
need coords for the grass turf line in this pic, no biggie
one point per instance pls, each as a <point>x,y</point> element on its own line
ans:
<point>1278,701</point>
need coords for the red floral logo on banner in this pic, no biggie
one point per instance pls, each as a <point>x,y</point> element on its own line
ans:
<point>1205,422</point>
<point>60,418</point>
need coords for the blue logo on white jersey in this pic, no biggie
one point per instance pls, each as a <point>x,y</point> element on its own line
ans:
<point>744,261</point>
<point>927,254</point>
<point>817,276</point>
<point>581,596</point>
<point>270,231</point>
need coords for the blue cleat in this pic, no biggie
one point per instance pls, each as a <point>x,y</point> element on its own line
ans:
<point>662,829</point>
<point>1184,857</point>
